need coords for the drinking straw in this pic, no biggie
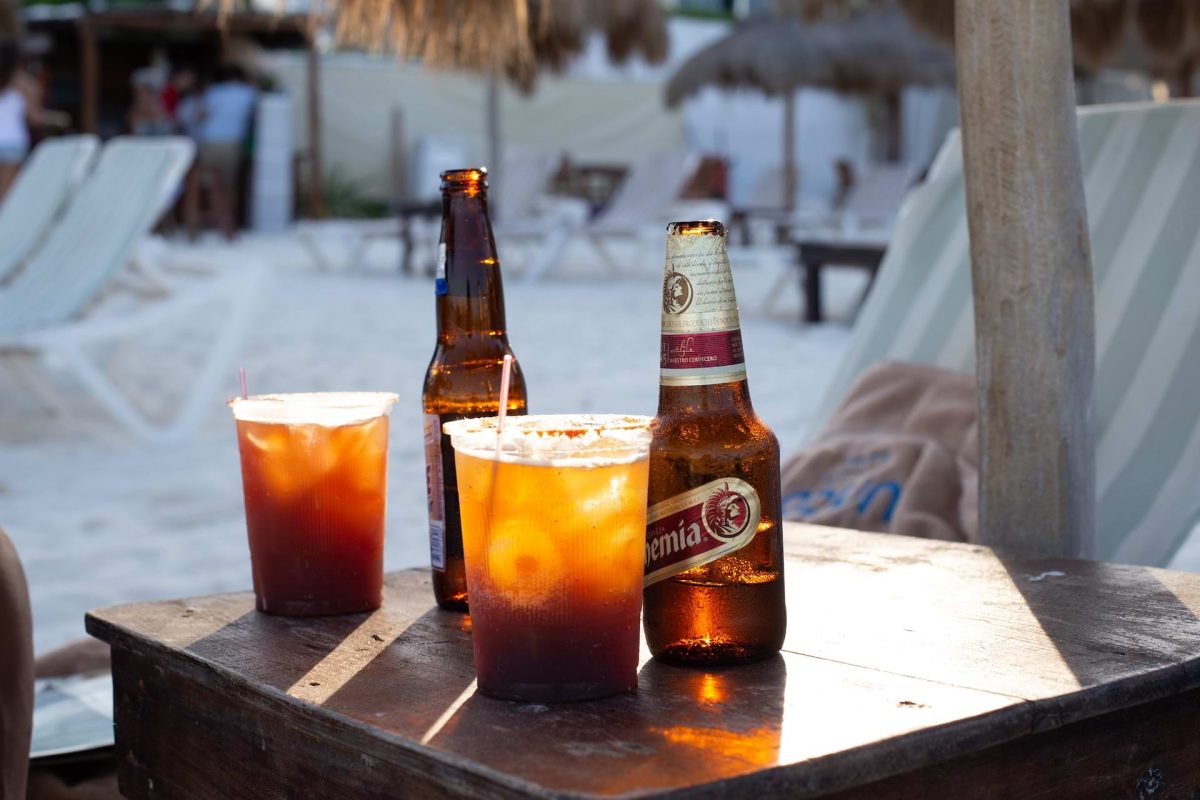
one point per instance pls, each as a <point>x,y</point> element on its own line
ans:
<point>242,381</point>
<point>505,377</point>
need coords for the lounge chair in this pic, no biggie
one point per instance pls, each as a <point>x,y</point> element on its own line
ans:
<point>525,215</point>
<point>855,234</point>
<point>1142,180</point>
<point>45,183</point>
<point>51,315</point>
<point>642,205</point>
<point>868,212</point>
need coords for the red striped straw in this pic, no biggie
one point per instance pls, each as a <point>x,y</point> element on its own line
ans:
<point>505,378</point>
<point>242,381</point>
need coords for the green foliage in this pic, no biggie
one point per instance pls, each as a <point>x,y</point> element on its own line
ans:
<point>346,199</point>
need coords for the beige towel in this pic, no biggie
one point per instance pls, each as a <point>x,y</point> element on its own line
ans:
<point>898,455</point>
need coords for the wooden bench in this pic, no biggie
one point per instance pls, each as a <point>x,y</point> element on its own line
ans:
<point>912,669</point>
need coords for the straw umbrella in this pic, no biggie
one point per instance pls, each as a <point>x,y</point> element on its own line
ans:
<point>502,39</point>
<point>872,51</point>
<point>1158,37</point>
<point>513,38</point>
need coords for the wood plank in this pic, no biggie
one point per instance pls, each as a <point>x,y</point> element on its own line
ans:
<point>903,654</point>
<point>1096,635</point>
<point>1031,270</point>
<point>1148,752</point>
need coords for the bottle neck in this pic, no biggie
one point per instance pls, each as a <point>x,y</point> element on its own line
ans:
<point>702,365</point>
<point>470,295</point>
<point>729,398</point>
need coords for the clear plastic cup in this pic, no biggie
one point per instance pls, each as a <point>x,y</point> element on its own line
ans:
<point>554,533</point>
<point>314,477</point>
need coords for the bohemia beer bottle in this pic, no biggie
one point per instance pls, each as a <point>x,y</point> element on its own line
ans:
<point>463,379</point>
<point>714,554</point>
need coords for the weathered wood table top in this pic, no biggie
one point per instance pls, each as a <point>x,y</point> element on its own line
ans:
<point>912,669</point>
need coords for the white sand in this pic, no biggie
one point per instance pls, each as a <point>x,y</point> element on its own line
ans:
<point>99,519</point>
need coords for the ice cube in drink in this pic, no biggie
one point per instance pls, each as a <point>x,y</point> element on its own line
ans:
<point>314,475</point>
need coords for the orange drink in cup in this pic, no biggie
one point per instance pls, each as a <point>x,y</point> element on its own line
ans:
<point>554,533</point>
<point>314,476</point>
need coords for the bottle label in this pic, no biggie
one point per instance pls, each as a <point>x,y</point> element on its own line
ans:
<point>701,332</point>
<point>699,526</point>
<point>440,287</point>
<point>435,491</point>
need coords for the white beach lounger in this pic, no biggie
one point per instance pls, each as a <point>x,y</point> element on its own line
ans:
<point>46,181</point>
<point>48,314</point>
<point>525,213</point>
<point>1142,179</point>
<point>641,205</point>
<point>869,211</point>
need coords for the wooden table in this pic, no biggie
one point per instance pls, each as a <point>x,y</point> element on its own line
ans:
<point>815,254</point>
<point>912,669</point>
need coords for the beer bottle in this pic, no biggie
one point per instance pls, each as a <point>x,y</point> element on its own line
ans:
<point>463,379</point>
<point>714,553</point>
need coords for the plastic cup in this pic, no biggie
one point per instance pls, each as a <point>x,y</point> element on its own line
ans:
<point>554,534</point>
<point>314,477</point>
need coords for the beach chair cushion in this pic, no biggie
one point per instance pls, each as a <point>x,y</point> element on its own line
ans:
<point>898,456</point>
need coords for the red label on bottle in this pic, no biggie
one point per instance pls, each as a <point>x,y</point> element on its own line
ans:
<point>694,350</point>
<point>699,526</point>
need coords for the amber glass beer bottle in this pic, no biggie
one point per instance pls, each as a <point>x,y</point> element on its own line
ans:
<point>714,555</point>
<point>463,379</point>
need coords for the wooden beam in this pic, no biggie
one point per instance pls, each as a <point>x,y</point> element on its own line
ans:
<point>89,73</point>
<point>789,151</point>
<point>316,178</point>
<point>1032,273</point>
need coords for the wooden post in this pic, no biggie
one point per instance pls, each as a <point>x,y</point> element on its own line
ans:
<point>89,73</point>
<point>1032,273</point>
<point>893,104</point>
<point>789,151</point>
<point>398,193</point>
<point>316,178</point>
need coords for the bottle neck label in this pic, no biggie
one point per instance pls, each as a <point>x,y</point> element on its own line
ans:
<point>440,286</point>
<point>700,525</point>
<point>701,332</point>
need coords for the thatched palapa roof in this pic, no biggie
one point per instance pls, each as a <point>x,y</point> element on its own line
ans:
<point>1161,37</point>
<point>874,50</point>
<point>508,37</point>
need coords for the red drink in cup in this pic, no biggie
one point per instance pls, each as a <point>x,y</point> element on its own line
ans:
<point>314,474</point>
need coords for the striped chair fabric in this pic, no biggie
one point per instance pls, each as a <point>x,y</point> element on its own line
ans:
<point>117,204</point>
<point>45,183</point>
<point>1141,167</point>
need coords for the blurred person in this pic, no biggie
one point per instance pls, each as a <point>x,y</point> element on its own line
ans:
<point>182,84</point>
<point>189,111</point>
<point>147,117</point>
<point>227,107</point>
